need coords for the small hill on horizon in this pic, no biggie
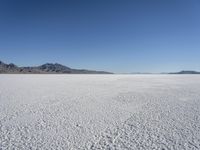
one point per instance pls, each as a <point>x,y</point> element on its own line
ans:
<point>186,72</point>
<point>48,68</point>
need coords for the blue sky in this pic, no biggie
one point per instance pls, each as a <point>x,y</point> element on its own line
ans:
<point>113,35</point>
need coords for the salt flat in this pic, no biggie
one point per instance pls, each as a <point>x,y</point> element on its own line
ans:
<point>100,112</point>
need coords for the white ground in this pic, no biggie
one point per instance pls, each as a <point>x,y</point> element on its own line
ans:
<point>100,112</point>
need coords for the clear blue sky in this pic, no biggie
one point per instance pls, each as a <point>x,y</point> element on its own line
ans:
<point>112,35</point>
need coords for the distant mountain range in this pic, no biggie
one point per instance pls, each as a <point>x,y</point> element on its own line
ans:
<point>48,68</point>
<point>55,68</point>
<point>186,72</point>
<point>181,72</point>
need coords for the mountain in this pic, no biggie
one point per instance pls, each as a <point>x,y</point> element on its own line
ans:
<point>4,68</point>
<point>186,72</point>
<point>48,68</point>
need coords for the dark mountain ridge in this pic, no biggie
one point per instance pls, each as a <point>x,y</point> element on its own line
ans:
<point>186,72</point>
<point>48,68</point>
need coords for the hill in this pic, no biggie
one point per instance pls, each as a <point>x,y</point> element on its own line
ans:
<point>186,72</point>
<point>48,68</point>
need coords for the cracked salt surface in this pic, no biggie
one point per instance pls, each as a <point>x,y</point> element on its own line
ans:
<point>100,112</point>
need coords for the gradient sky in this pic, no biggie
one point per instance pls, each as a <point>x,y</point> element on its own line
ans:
<point>113,35</point>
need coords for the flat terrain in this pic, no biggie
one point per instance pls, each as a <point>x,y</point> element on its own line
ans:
<point>100,112</point>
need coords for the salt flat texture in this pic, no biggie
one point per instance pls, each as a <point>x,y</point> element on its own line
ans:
<point>100,112</point>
